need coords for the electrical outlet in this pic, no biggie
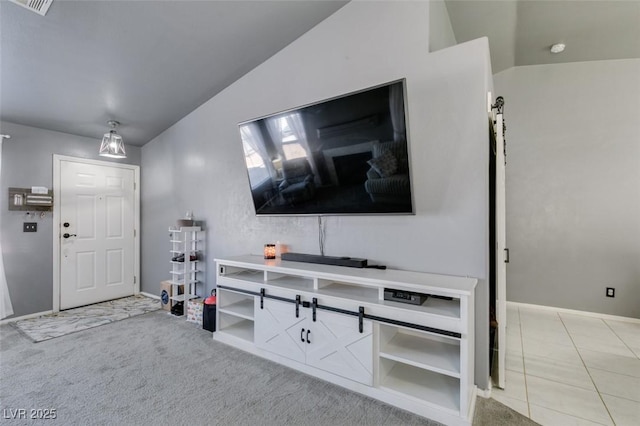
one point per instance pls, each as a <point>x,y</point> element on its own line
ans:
<point>30,227</point>
<point>611,292</point>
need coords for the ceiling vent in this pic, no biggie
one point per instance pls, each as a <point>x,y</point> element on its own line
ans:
<point>38,6</point>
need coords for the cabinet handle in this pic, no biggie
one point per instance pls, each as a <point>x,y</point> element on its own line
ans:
<point>301,337</point>
<point>308,331</point>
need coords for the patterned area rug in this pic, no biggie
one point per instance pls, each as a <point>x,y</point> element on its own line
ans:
<point>55,325</point>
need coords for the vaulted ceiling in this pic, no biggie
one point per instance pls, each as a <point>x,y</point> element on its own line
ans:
<point>147,64</point>
<point>522,32</point>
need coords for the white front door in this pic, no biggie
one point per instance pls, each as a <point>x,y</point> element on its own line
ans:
<point>97,210</point>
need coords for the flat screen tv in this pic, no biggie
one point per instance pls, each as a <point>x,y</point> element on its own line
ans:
<point>345,155</point>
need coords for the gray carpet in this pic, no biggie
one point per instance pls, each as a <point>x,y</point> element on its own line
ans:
<point>158,369</point>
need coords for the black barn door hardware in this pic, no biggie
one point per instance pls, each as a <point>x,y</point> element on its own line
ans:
<point>314,305</point>
<point>360,314</point>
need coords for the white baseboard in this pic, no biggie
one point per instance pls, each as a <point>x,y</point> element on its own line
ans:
<point>574,312</point>
<point>485,393</point>
<point>153,296</point>
<point>24,317</point>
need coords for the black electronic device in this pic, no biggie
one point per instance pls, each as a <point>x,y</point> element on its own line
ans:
<point>404,296</point>
<point>344,155</point>
<point>352,262</point>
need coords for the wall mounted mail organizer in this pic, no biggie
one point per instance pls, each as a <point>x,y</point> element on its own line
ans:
<point>36,198</point>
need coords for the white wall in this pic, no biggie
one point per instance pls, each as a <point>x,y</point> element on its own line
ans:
<point>27,160</point>
<point>198,163</point>
<point>440,30</point>
<point>573,184</point>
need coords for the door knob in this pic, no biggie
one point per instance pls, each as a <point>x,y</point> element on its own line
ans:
<point>67,235</point>
<point>66,224</point>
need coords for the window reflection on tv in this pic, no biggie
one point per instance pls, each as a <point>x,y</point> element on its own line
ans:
<point>346,155</point>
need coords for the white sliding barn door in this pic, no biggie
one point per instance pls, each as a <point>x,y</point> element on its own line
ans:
<point>501,248</point>
<point>97,219</point>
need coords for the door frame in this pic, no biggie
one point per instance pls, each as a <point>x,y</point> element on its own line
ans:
<point>57,160</point>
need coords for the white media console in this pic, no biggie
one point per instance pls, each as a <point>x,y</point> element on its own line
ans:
<point>332,322</point>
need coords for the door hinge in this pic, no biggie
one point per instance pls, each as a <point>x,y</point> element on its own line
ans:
<point>506,255</point>
<point>135,185</point>
<point>134,233</point>
<point>135,279</point>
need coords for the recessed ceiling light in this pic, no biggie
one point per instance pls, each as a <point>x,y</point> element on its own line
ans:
<point>557,48</point>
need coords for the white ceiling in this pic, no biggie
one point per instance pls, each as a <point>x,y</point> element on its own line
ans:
<point>521,32</point>
<point>147,64</point>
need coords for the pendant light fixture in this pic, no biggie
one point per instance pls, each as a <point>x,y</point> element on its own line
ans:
<point>112,145</point>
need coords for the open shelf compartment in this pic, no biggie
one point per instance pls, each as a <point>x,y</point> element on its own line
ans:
<point>427,351</point>
<point>183,297</point>
<point>424,385</point>
<point>348,290</point>
<point>292,282</point>
<point>236,304</point>
<point>242,274</point>
<point>235,326</point>
<point>449,308</point>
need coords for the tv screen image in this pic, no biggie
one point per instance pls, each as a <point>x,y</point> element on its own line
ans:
<point>346,155</point>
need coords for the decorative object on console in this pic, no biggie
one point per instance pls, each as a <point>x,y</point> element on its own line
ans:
<point>269,251</point>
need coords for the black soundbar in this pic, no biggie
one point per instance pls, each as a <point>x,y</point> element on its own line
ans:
<point>325,260</point>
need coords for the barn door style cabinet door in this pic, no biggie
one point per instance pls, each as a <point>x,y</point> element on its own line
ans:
<point>331,343</point>
<point>335,323</point>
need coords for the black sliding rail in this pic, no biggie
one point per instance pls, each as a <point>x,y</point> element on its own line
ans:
<point>360,314</point>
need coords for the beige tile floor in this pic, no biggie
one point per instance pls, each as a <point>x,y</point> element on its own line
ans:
<point>568,369</point>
